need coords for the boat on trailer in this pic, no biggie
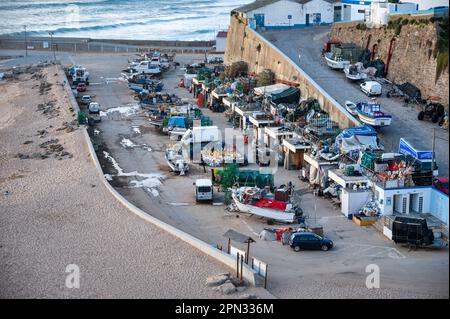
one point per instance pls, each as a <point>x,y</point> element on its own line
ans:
<point>336,62</point>
<point>371,114</point>
<point>249,200</point>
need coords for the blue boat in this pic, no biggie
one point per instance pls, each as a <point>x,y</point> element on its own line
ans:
<point>371,114</point>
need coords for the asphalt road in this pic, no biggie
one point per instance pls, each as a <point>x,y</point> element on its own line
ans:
<point>304,46</point>
<point>339,273</point>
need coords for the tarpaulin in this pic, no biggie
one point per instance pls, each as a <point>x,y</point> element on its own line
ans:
<point>177,121</point>
<point>271,203</point>
<point>291,95</point>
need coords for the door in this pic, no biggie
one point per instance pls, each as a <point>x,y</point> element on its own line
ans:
<point>307,19</point>
<point>259,20</point>
<point>337,13</point>
<point>317,18</point>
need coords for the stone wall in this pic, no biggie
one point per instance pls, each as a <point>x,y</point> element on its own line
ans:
<point>245,44</point>
<point>413,58</point>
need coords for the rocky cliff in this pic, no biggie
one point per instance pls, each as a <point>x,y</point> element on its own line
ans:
<point>414,46</point>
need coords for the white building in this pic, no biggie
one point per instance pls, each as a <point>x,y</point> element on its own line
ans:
<point>380,11</point>
<point>221,41</point>
<point>273,14</point>
<point>429,4</point>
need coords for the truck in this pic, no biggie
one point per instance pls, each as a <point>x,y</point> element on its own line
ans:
<point>147,67</point>
<point>79,75</point>
<point>196,138</point>
<point>203,190</point>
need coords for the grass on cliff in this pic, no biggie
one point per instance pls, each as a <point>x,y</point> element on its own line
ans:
<point>442,48</point>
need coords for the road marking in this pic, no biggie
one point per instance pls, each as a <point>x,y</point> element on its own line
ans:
<point>250,228</point>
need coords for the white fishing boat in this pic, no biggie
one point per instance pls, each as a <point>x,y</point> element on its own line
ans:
<point>336,62</point>
<point>351,107</point>
<point>353,73</point>
<point>248,200</point>
<point>371,114</point>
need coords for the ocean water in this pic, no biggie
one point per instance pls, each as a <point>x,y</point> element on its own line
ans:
<point>118,19</point>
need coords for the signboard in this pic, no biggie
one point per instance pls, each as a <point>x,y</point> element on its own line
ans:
<point>407,149</point>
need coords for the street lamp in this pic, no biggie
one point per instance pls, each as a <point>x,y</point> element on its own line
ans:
<point>51,43</point>
<point>26,44</point>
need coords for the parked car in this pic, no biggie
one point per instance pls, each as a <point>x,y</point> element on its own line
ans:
<point>81,87</point>
<point>86,99</point>
<point>94,108</point>
<point>371,88</point>
<point>309,241</point>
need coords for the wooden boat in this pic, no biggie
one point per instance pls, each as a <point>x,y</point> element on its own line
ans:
<point>371,114</point>
<point>245,200</point>
<point>335,62</point>
<point>351,107</point>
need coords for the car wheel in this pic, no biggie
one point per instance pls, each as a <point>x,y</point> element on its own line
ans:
<point>421,115</point>
<point>297,248</point>
<point>325,247</point>
<point>435,118</point>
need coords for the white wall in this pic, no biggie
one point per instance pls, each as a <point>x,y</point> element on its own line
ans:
<point>384,195</point>
<point>276,14</point>
<point>428,4</point>
<point>221,44</point>
<point>353,201</point>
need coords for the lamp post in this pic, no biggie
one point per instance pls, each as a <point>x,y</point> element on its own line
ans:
<point>26,43</point>
<point>51,43</point>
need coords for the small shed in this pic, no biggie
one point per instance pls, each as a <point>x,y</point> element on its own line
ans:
<point>294,150</point>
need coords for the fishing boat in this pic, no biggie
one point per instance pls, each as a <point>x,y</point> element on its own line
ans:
<point>250,200</point>
<point>371,114</point>
<point>353,73</point>
<point>351,107</point>
<point>176,162</point>
<point>336,62</point>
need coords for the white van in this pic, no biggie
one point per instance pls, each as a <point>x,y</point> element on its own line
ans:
<point>371,88</point>
<point>94,108</point>
<point>203,190</point>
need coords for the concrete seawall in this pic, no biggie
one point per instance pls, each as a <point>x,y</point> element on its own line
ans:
<point>249,274</point>
<point>245,44</point>
<point>60,44</point>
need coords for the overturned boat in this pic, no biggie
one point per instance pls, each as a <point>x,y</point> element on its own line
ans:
<point>336,62</point>
<point>371,114</point>
<point>250,200</point>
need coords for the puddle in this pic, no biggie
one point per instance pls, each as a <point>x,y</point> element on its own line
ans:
<point>147,181</point>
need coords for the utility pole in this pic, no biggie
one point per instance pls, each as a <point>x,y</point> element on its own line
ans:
<point>26,42</point>
<point>432,155</point>
<point>51,43</point>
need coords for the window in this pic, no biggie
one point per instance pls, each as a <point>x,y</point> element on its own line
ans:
<point>204,189</point>
<point>361,11</point>
<point>404,205</point>
<point>420,204</point>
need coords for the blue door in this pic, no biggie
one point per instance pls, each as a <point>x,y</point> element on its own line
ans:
<point>259,19</point>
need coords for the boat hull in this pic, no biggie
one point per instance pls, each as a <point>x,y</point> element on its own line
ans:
<point>264,212</point>
<point>375,121</point>
<point>336,65</point>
